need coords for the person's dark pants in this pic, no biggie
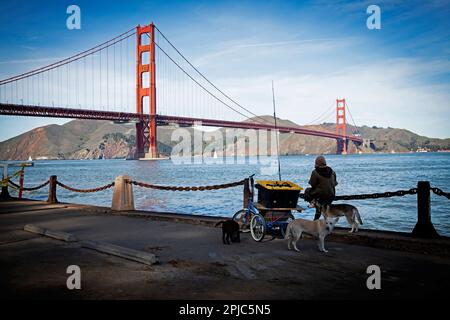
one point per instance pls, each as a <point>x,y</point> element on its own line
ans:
<point>308,198</point>
<point>322,203</point>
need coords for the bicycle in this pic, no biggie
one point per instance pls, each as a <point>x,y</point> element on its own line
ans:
<point>260,220</point>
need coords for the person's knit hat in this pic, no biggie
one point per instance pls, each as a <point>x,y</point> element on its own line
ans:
<point>320,162</point>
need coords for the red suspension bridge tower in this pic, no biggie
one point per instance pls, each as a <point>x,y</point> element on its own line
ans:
<point>146,130</point>
<point>341,126</point>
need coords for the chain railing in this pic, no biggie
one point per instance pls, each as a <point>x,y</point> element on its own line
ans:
<point>439,192</point>
<point>387,194</point>
<point>137,183</point>
<point>15,185</point>
<point>107,186</point>
<point>188,188</point>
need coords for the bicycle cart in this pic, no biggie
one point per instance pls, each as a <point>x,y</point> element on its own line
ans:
<point>273,210</point>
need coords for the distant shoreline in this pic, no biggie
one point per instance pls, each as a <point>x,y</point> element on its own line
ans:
<point>288,155</point>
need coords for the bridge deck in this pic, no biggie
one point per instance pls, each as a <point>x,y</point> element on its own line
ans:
<point>55,112</point>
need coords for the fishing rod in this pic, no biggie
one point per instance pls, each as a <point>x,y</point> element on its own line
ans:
<point>276,132</point>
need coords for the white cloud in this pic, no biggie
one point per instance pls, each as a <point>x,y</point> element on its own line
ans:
<point>379,93</point>
<point>248,49</point>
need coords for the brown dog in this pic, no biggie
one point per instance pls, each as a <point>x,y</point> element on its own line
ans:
<point>348,211</point>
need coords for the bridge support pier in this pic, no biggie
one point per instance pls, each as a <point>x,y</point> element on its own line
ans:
<point>146,148</point>
<point>341,146</point>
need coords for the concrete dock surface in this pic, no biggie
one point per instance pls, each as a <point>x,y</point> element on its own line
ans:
<point>194,264</point>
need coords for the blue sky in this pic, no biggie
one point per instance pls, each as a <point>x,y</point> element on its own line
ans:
<point>315,51</point>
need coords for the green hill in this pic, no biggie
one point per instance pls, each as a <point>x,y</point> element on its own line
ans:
<point>90,139</point>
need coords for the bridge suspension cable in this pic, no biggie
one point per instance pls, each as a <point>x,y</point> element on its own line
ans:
<point>211,83</point>
<point>75,57</point>
<point>355,129</point>
<point>82,81</point>
<point>323,116</point>
<point>199,84</point>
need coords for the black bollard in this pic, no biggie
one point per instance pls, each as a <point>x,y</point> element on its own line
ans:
<point>424,227</point>
<point>4,195</point>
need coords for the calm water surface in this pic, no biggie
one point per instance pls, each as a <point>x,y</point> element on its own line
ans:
<point>356,174</point>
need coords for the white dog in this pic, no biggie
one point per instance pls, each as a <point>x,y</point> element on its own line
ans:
<point>317,228</point>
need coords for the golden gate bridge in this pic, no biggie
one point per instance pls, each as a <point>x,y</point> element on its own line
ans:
<point>140,76</point>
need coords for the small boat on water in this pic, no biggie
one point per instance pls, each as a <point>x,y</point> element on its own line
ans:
<point>30,159</point>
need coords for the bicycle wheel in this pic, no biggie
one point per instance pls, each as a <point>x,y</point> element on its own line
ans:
<point>243,219</point>
<point>258,227</point>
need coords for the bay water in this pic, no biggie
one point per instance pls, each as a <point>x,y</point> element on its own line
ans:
<point>356,174</point>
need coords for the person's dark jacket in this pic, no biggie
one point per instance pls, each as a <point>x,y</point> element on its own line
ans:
<point>323,182</point>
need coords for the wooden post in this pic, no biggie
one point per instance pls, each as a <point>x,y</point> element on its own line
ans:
<point>424,227</point>
<point>22,172</point>
<point>246,192</point>
<point>52,190</point>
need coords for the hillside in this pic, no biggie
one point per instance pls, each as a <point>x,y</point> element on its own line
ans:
<point>77,139</point>
<point>89,139</point>
<point>396,140</point>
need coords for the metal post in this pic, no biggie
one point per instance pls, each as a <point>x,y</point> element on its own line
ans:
<point>4,195</point>
<point>5,192</point>
<point>52,190</point>
<point>424,227</point>
<point>246,192</point>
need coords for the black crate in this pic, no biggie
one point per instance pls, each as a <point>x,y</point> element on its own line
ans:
<point>280,194</point>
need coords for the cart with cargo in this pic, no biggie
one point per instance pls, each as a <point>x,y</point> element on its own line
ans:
<point>273,210</point>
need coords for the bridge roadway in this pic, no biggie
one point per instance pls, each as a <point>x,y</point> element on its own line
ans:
<point>55,112</point>
<point>194,264</point>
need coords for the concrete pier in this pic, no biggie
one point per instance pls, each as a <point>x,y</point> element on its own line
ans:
<point>194,264</point>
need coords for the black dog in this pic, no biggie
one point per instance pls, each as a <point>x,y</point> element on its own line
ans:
<point>230,230</point>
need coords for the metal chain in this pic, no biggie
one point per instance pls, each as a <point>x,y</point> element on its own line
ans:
<point>29,189</point>
<point>200,188</point>
<point>439,192</point>
<point>85,190</point>
<point>399,193</point>
<point>12,186</point>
